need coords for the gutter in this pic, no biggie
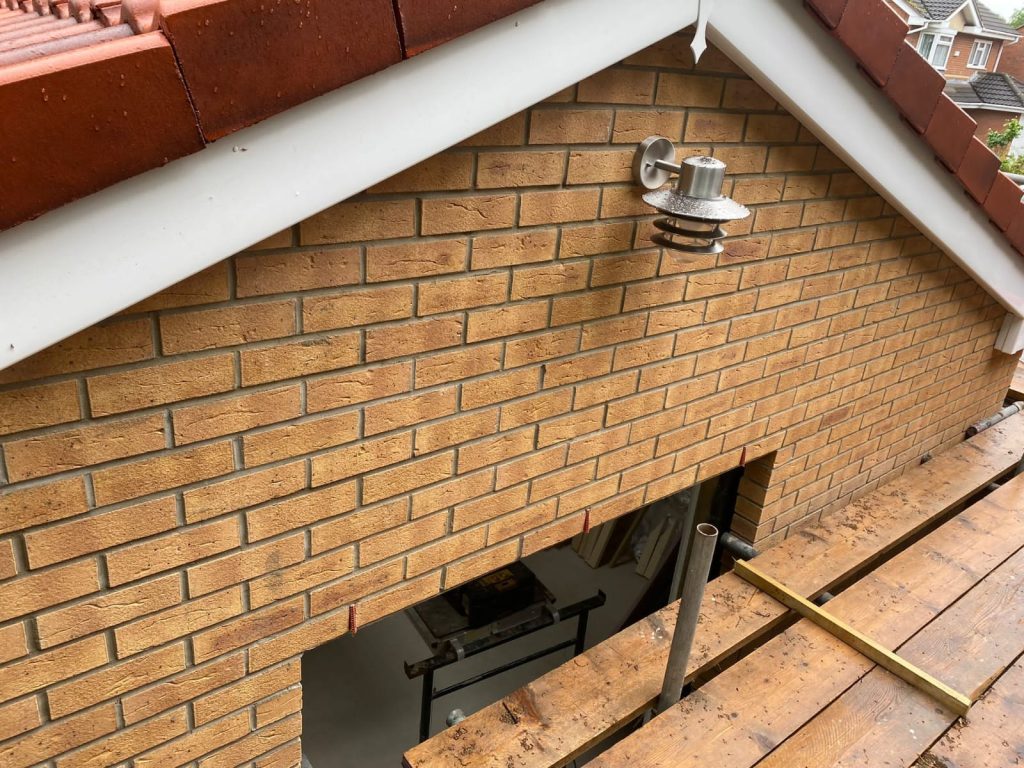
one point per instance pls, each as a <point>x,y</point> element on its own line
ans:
<point>82,263</point>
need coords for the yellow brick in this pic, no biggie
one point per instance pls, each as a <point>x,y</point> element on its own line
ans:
<point>362,457</point>
<point>357,386</point>
<point>300,511</point>
<point>534,409</point>
<point>107,610</point>
<point>586,306</point>
<point>185,545</point>
<point>359,525</point>
<point>534,465</point>
<point>179,621</point>
<point>312,434</point>
<point>451,432</point>
<point>114,343</point>
<point>249,628</point>
<point>526,247</point>
<point>197,742</point>
<point>746,94</point>
<point>544,346</point>
<point>215,499</point>
<point>594,239</point>
<point>311,572</point>
<point>447,171</point>
<point>714,127</point>
<point>570,126</point>
<point>412,338</point>
<point>355,308</point>
<point>466,214</point>
<point>225,327</point>
<point>496,389</point>
<point>139,388</point>
<point>561,277</point>
<point>299,358</point>
<point>95,533</point>
<point>408,594</point>
<point>40,504</point>
<point>45,669</point>
<point>448,549</point>
<point>82,447</point>
<point>182,688</point>
<point>461,364</point>
<point>416,260</point>
<point>43,590</point>
<point>265,274</point>
<point>235,414</point>
<point>351,589</point>
<point>18,717</point>
<point>257,743</point>
<point>495,449</point>
<point>244,565</point>
<point>180,467</point>
<point>461,293</point>
<point>507,320</point>
<point>689,90</point>
<point>491,506</point>
<point>351,222</point>
<point>559,206</point>
<point>600,166</point>
<point>402,539</point>
<point>519,169</point>
<point>618,86</point>
<point>479,564</point>
<point>33,407</point>
<point>634,125</point>
<point>453,491</point>
<point>772,128</point>
<point>409,410</point>
<point>206,287</point>
<point>509,132</point>
<point>56,738</point>
<point>392,482</point>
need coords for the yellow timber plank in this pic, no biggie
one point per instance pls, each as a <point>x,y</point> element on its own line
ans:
<point>562,714</point>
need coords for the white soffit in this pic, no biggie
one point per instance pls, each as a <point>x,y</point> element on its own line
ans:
<point>784,49</point>
<point>82,263</point>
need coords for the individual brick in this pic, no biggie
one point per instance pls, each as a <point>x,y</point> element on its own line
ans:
<point>501,170</point>
<point>618,86</point>
<point>139,388</point>
<point>246,564</point>
<point>235,414</point>
<point>461,364</point>
<point>44,669</point>
<point>214,499</point>
<point>415,260</point>
<point>594,239</point>
<point>197,742</point>
<point>42,406</point>
<point>353,222</point>
<point>409,410</point>
<point>245,692</point>
<point>570,126</point>
<point>461,293</point>
<point>545,346</point>
<point>226,326</point>
<point>112,343</point>
<point>354,587</point>
<point>587,306</point>
<point>306,436</point>
<point>265,274</point>
<point>600,166</point>
<point>207,287</point>
<point>714,127</point>
<point>18,717</point>
<point>246,629</point>
<point>35,505</point>
<point>632,126</point>
<point>355,308</point>
<point>495,449</point>
<point>311,572</point>
<point>444,172</point>
<point>450,548</point>
<point>180,621</point>
<point>442,216</point>
<point>13,645</point>
<point>508,132</point>
<point>95,533</point>
<point>525,247</point>
<point>183,546</point>
<point>399,598</point>
<point>480,563</point>
<point>679,90</point>
<point>56,452</point>
<point>180,467</point>
<point>362,457</point>
<point>557,207</point>
<point>743,94</point>
<point>104,611</point>
<point>416,474</point>
<point>460,429</point>
<point>358,525</point>
<point>34,592</point>
<point>300,511</point>
<point>402,539</point>
<point>299,358</point>
<point>182,687</point>
<point>506,320</point>
<point>496,389</point>
<point>412,338</point>
<point>357,386</point>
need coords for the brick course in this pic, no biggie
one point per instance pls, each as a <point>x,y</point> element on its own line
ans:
<point>438,377</point>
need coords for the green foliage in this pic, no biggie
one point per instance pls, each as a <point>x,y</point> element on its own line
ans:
<point>1017,18</point>
<point>1013,164</point>
<point>999,139</point>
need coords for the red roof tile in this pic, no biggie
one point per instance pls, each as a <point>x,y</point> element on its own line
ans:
<point>425,24</point>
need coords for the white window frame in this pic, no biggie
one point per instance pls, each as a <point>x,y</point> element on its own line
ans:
<point>979,45</point>
<point>934,40</point>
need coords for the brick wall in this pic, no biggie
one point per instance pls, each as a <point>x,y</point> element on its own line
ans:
<point>990,120</point>
<point>442,376</point>
<point>956,67</point>
<point>1012,60</point>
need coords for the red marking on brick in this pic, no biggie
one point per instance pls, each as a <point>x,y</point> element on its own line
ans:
<point>743,457</point>
<point>353,626</point>
<point>586,520</point>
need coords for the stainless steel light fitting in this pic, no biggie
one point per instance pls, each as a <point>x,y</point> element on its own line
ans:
<point>695,208</point>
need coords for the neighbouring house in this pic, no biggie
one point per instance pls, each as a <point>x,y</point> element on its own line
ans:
<point>965,40</point>
<point>311,311</point>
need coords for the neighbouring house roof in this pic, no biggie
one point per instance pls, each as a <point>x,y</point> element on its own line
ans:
<point>940,10</point>
<point>87,118</point>
<point>143,82</point>
<point>996,89</point>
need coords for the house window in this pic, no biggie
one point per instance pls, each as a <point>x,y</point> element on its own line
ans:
<point>935,48</point>
<point>979,54</point>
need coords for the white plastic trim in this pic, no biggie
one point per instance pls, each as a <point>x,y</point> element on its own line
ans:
<point>818,82</point>
<point>88,260</point>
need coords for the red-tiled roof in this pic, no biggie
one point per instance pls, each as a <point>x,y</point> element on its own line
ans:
<point>96,91</point>
<point>875,35</point>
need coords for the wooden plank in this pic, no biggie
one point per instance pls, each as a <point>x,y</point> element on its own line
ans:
<point>560,715</point>
<point>738,717</point>
<point>993,735</point>
<point>864,645</point>
<point>881,721</point>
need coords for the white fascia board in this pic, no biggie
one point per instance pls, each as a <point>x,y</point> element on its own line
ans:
<point>818,82</point>
<point>82,263</point>
<point>991,108</point>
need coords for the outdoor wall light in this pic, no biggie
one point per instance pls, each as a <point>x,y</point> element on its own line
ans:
<point>695,209</point>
